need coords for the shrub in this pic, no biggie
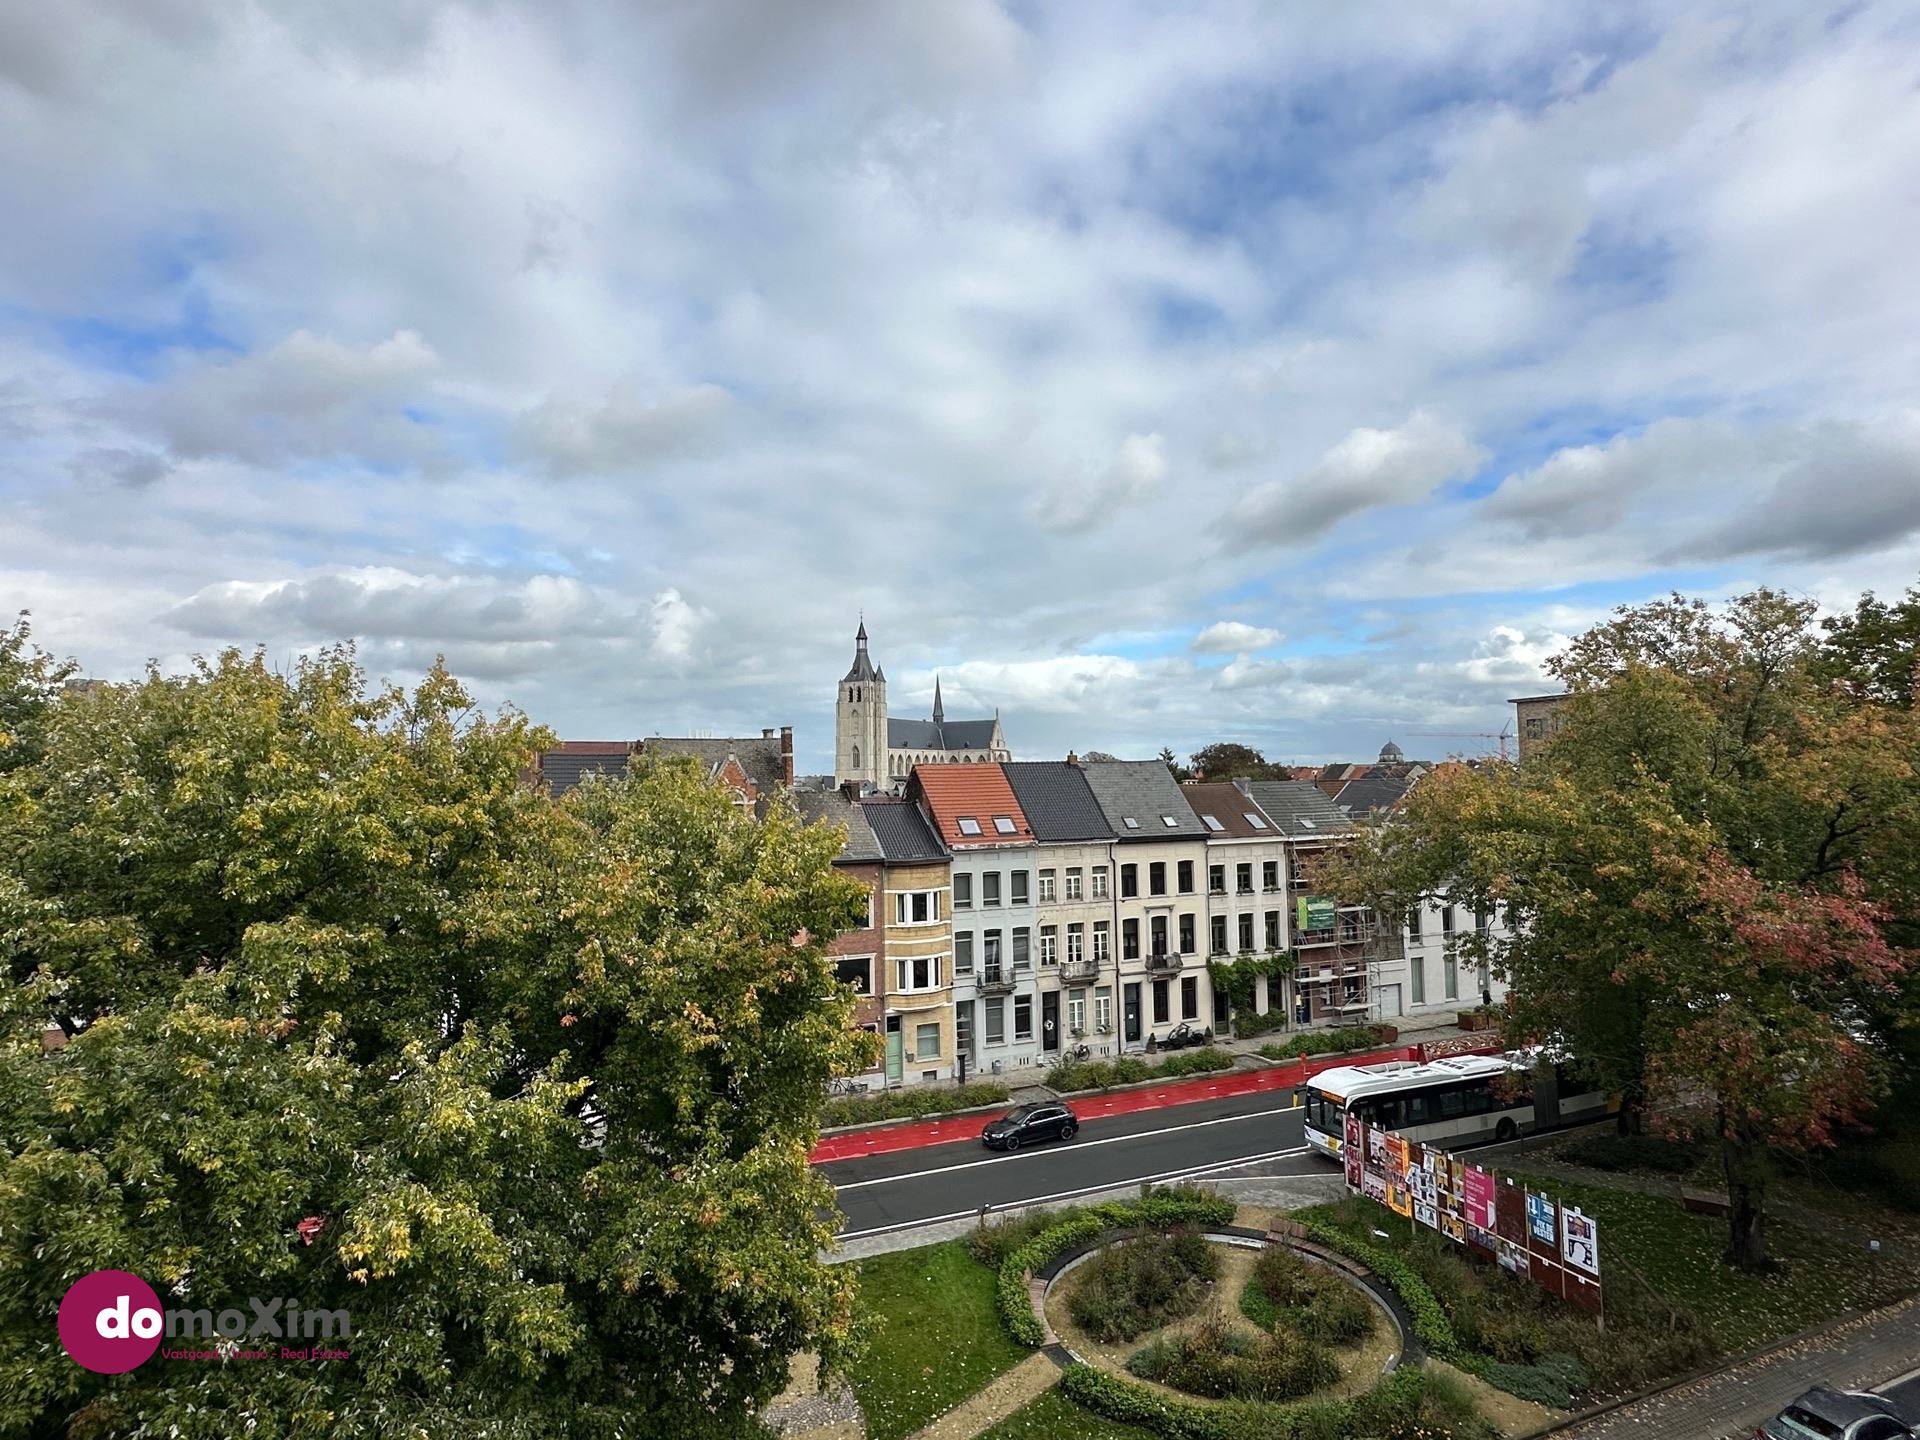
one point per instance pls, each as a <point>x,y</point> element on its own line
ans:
<point>1284,1288</point>
<point>1554,1380</point>
<point>1070,1075</point>
<point>1632,1152</point>
<point>1214,1362</point>
<point>910,1101</point>
<point>1129,1289</point>
<point>1176,1205</point>
<point>1430,1322</point>
<point>1326,1042</point>
<point>1246,1024</point>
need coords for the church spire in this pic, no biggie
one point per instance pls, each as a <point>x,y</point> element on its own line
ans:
<point>862,664</point>
<point>939,711</point>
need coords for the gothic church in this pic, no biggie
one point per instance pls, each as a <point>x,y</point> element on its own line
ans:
<point>879,751</point>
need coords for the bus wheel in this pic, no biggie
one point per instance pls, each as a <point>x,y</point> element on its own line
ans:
<point>1505,1130</point>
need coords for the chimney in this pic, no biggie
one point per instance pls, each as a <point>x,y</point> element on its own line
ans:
<point>1072,759</point>
<point>852,790</point>
<point>766,732</point>
<point>1243,785</point>
<point>786,752</point>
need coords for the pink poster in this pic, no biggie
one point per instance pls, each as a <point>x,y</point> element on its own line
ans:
<point>1478,1185</point>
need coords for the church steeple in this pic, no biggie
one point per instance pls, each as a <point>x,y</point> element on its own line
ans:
<point>860,719</point>
<point>939,710</point>
<point>862,665</point>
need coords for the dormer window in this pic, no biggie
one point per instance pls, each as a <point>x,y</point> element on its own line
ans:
<point>1256,821</point>
<point>1211,823</point>
<point>1004,824</point>
<point>969,825</point>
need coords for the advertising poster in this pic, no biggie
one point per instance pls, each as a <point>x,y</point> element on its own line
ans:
<point>1580,1243</point>
<point>1399,1199</point>
<point>1453,1227</point>
<point>1513,1257</point>
<point>1353,1150</point>
<point>1476,1190</point>
<point>1373,1184</point>
<point>1543,1221</point>
<point>1510,1214</point>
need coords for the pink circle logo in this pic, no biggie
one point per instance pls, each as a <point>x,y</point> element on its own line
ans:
<point>110,1321</point>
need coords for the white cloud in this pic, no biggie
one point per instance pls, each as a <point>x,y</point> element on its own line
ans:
<point>1234,637</point>
<point>630,427</point>
<point>1365,471</point>
<point>1132,477</point>
<point>676,626</point>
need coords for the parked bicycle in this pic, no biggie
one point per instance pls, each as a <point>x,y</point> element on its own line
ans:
<point>1080,1051</point>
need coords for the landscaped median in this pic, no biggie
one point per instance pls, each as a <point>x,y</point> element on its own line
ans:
<point>1071,1076</point>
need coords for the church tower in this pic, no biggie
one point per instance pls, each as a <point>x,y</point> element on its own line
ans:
<point>860,720</point>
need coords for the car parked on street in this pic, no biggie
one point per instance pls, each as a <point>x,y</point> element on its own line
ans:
<point>1823,1414</point>
<point>1045,1120</point>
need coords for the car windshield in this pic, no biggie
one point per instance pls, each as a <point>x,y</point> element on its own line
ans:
<point>1805,1422</point>
<point>1025,1112</point>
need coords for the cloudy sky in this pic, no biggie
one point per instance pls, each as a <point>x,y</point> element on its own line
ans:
<point>1294,374</point>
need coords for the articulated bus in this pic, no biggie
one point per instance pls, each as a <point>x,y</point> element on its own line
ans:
<point>1461,1100</point>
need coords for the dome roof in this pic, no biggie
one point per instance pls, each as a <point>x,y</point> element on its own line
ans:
<point>1390,754</point>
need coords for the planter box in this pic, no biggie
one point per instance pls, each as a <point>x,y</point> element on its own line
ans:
<point>1704,1202</point>
<point>1470,1021</point>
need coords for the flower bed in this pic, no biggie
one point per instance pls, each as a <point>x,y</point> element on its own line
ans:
<point>1127,1290</point>
<point>1221,1364</point>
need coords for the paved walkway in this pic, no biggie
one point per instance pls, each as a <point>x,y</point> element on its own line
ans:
<point>984,1409</point>
<point>1858,1354</point>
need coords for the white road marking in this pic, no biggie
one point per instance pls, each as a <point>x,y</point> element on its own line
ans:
<point>1074,1144</point>
<point>1072,1194</point>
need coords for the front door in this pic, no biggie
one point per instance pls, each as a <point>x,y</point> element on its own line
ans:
<point>1389,1001</point>
<point>1050,1020</point>
<point>896,1051</point>
<point>1219,1010</point>
<point>1131,1006</point>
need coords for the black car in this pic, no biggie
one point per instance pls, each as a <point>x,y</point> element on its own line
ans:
<point>1049,1120</point>
<point>1824,1414</point>
<point>1183,1035</point>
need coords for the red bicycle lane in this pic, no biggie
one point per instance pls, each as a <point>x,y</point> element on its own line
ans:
<point>1221,1085</point>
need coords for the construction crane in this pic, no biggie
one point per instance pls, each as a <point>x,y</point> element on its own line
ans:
<point>1506,734</point>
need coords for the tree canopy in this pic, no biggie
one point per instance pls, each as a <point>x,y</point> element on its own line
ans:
<point>1710,869</point>
<point>354,1015</point>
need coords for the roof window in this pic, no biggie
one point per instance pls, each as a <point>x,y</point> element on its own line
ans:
<point>1257,821</point>
<point>1211,823</point>
<point>1004,824</point>
<point>1169,822</point>
<point>969,825</point>
<point>1131,823</point>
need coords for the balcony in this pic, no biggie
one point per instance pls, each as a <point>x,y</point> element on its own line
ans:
<point>1074,970</point>
<point>1163,961</point>
<point>996,980</point>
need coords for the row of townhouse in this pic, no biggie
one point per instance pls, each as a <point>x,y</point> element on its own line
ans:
<point>1018,909</point>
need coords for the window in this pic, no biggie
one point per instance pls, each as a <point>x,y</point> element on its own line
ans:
<point>1413,924</point>
<point>1157,878</point>
<point>1076,944</point>
<point>855,970</point>
<point>1103,1009</point>
<point>1102,942</point>
<point>1022,950</point>
<point>1190,998</point>
<point>1216,879</point>
<point>1446,922</point>
<point>1169,822</point>
<point>1046,885</point>
<point>1352,985</point>
<point>1160,1012</point>
<point>1023,1017</point>
<point>1017,883</point>
<point>1073,882</point>
<point>1157,929</point>
<point>963,952</point>
<point>1536,730</point>
<point>1130,822</point>
<point>919,973</point>
<point>1076,1012</point>
<point>1246,933</point>
<point>990,888</point>
<point>1218,931</point>
<point>1129,881</point>
<point>962,891</point>
<point>1417,964</point>
<point>1450,977</point>
<point>1481,919</point>
<point>1187,945</point>
<point>1270,874</point>
<point>1004,824</point>
<point>1254,818</point>
<point>969,825</point>
<point>1130,939</point>
<point>990,954</point>
<point>1243,878</point>
<point>916,907</point>
<point>1099,882</point>
<point>926,1042</point>
<point>1211,823</point>
<point>1273,929</point>
<point>996,1021</point>
<point>1186,877</point>
<point>1049,944</point>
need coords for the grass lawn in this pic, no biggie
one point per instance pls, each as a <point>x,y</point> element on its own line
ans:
<point>1054,1417</point>
<point>935,1337</point>
<point>1679,1254</point>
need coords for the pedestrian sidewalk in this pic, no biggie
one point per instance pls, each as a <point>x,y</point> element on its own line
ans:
<point>1856,1354</point>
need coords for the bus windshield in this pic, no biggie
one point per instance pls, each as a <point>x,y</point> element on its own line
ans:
<point>1325,1112</point>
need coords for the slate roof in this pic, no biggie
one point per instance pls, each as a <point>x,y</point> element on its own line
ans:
<point>975,792</point>
<point>1060,805</point>
<point>575,760</point>
<point>903,832</point>
<point>1145,791</point>
<point>758,755</point>
<point>1373,793</point>
<point>862,847</point>
<point>1223,800</point>
<point>939,734</point>
<point>1300,810</point>
<point>862,664</point>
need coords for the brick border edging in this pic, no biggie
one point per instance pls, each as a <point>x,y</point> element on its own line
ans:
<point>1731,1362</point>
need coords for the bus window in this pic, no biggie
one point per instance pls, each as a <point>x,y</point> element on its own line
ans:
<point>1416,1109</point>
<point>1448,1104</point>
<point>1476,1098</point>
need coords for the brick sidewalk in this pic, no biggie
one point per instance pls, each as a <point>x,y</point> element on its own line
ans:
<point>1857,1354</point>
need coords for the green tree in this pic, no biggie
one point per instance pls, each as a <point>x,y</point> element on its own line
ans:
<point>30,679</point>
<point>1707,872</point>
<point>1229,760</point>
<point>1168,759</point>
<point>355,1016</point>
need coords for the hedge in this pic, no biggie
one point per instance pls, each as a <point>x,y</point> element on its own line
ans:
<point>908,1101</point>
<point>1070,1075</point>
<point>1327,1042</point>
<point>1185,1206</point>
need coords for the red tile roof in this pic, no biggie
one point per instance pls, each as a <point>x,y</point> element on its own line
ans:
<point>978,792</point>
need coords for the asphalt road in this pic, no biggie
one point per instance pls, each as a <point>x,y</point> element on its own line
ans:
<point>944,1182</point>
<point>1906,1395</point>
